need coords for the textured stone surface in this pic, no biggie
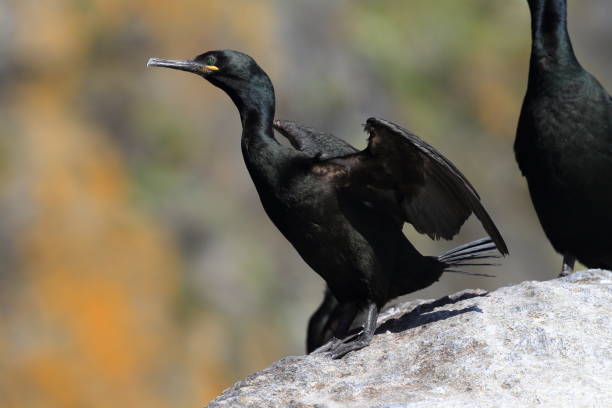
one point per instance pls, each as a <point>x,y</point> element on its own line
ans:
<point>533,344</point>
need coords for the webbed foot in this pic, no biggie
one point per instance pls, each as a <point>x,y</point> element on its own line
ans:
<point>342,348</point>
<point>359,340</point>
<point>335,342</point>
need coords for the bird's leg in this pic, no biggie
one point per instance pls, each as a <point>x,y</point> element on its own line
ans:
<point>339,323</point>
<point>568,265</point>
<point>339,350</point>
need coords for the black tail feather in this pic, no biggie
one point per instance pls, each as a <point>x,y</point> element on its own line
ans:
<point>479,256</point>
<point>469,273</point>
<point>476,264</point>
<point>466,254</point>
<point>470,247</point>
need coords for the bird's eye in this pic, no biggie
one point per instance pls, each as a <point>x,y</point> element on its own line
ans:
<point>211,60</point>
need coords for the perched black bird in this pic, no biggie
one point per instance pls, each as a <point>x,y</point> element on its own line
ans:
<point>343,209</point>
<point>564,144</point>
<point>325,321</point>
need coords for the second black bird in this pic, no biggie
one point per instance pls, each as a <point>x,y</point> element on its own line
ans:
<point>564,144</point>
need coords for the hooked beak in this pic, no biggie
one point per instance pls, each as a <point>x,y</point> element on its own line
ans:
<point>183,65</point>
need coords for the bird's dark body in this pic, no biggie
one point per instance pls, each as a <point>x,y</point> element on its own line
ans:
<point>564,143</point>
<point>406,270</point>
<point>359,251</point>
<point>343,209</point>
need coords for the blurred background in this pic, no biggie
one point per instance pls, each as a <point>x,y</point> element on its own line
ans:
<point>137,267</point>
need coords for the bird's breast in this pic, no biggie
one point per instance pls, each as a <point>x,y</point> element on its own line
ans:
<point>561,140</point>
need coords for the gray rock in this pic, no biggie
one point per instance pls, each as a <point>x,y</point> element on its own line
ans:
<point>543,344</point>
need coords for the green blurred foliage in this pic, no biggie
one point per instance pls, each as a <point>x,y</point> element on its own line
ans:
<point>138,268</point>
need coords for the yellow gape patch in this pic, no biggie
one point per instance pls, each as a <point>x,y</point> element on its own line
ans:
<point>208,68</point>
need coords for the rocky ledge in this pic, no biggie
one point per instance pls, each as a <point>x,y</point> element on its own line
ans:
<point>534,344</point>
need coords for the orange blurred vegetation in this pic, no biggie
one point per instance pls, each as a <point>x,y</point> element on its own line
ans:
<point>92,313</point>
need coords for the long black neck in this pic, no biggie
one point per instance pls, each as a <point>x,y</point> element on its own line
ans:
<point>551,45</point>
<point>256,103</point>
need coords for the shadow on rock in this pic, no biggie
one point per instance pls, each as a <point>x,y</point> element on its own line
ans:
<point>423,314</point>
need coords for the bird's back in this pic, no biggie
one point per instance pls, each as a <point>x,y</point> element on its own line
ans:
<point>313,142</point>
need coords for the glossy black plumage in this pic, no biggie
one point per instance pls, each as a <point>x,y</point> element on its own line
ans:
<point>343,209</point>
<point>564,143</point>
<point>328,317</point>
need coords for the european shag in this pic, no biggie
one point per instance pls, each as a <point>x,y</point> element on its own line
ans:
<point>343,209</point>
<point>564,144</point>
<point>325,321</point>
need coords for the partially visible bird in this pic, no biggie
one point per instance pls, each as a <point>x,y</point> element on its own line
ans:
<point>343,209</point>
<point>563,144</point>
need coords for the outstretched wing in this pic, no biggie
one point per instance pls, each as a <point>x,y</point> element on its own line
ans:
<point>428,191</point>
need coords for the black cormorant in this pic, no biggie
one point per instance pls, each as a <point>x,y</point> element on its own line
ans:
<point>564,144</point>
<point>323,323</point>
<point>343,209</point>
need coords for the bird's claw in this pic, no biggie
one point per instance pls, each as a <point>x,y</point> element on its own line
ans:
<point>343,348</point>
<point>338,348</point>
<point>326,347</point>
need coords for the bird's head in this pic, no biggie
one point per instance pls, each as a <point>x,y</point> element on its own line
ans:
<point>234,72</point>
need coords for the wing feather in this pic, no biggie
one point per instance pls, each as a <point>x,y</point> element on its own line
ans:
<point>431,192</point>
